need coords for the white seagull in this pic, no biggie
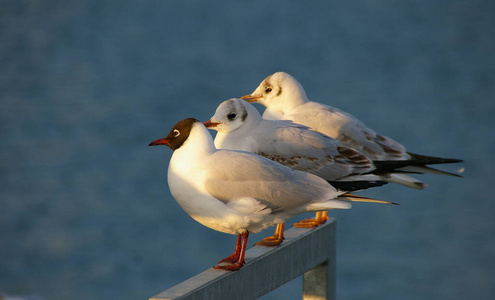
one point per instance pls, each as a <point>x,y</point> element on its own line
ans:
<point>238,192</point>
<point>240,127</point>
<point>285,99</point>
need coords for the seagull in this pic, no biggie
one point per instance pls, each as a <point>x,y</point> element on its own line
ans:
<point>285,99</point>
<point>238,192</point>
<point>239,126</point>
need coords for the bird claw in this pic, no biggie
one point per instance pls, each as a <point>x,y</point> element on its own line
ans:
<point>271,241</point>
<point>232,267</point>
<point>309,223</point>
<point>320,219</point>
<point>231,259</point>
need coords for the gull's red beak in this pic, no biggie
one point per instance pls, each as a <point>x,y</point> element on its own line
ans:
<point>251,98</point>
<point>210,124</point>
<point>163,141</point>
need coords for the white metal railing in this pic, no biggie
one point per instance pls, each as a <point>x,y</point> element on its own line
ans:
<point>307,252</point>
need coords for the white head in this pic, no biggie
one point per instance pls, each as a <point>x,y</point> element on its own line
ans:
<point>279,90</point>
<point>233,114</point>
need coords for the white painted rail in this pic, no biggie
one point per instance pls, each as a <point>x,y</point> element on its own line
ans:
<point>307,252</point>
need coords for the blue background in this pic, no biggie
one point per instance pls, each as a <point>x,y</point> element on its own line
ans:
<point>85,211</point>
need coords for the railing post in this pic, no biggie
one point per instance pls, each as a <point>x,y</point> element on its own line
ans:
<point>319,283</point>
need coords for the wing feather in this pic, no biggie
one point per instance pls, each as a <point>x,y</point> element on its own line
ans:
<point>235,174</point>
<point>348,130</point>
<point>299,148</point>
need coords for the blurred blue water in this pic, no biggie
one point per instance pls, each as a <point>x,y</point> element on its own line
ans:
<point>85,212</point>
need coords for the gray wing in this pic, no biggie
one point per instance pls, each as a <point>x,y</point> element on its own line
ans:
<point>348,130</point>
<point>300,148</point>
<point>231,175</point>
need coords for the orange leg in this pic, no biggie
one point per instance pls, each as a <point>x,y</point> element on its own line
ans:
<point>324,217</point>
<point>320,218</point>
<point>276,239</point>
<point>240,261</point>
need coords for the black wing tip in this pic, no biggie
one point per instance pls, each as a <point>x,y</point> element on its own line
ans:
<point>427,160</point>
<point>352,186</point>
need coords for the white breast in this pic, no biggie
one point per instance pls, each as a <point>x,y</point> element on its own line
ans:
<point>186,175</point>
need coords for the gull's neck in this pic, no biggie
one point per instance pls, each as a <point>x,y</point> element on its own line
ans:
<point>253,119</point>
<point>293,96</point>
<point>199,143</point>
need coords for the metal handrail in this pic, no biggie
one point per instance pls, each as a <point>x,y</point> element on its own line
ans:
<point>307,252</point>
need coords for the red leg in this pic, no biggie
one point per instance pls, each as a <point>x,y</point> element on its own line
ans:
<point>235,256</point>
<point>240,262</point>
<point>274,240</point>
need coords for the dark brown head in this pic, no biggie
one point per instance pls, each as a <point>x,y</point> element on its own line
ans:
<point>177,136</point>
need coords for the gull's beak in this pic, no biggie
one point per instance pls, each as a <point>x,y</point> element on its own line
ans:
<point>163,141</point>
<point>210,124</point>
<point>251,98</point>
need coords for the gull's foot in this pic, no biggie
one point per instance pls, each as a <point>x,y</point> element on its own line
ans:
<point>231,259</point>
<point>320,218</point>
<point>232,267</point>
<point>324,217</point>
<point>307,223</point>
<point>271,241</point>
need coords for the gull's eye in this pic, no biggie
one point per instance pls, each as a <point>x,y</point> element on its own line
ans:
<point>231,116</point>
<point>268,90</point>
<point>176,132</point>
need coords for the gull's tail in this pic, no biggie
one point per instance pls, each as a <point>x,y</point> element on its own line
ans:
<point>417,164</point>
<point>421,162</point>
<point>352,186</point>
<point>356,198</point>
<point>431,160</point>
<point>404,180</point>
<point>341,202</point>
<point>395,170</point>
